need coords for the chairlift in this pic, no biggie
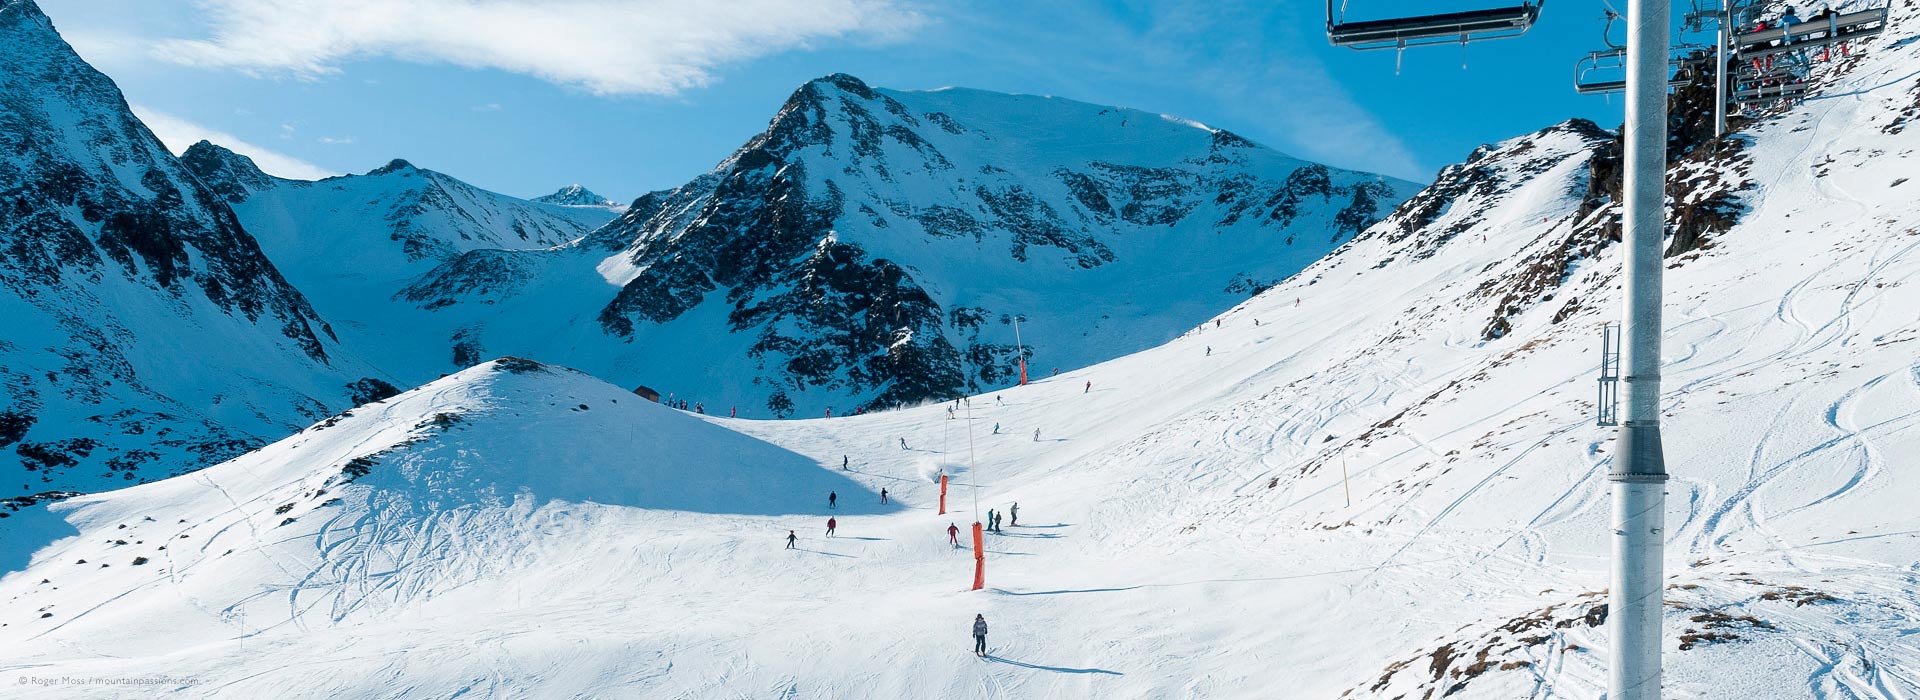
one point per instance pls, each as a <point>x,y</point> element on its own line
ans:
<point>1770,93</point>
<point>1609,60</point>
<point>1399,33</point>
<point>1613,60</point>
<point>1831,29</point>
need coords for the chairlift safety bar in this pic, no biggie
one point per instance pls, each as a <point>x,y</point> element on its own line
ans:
<point>1430,30</point>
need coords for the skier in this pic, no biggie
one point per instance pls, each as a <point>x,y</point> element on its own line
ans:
<point>996,428</point>
<point>996,399</point>
<point>843,464</point>
<point>1056,371</point>
<point>980,635</point>
<point>1296,302</point>
<point>832,497</point>
<point>829,411</point>
<point>790,539</point>
<point>831,523</point>
<point>733,412</point>
<point>1013,514</point>
<point>1036,434</point>
<point>903,443</point>
<point>700,408</point>
<point>991,521</point>
<point>1256,323</point>
<point>1209,351</point>
<point>883,496</point>
<point>1216,323</point>
<point>1089,388</point>
<point>953,535</point>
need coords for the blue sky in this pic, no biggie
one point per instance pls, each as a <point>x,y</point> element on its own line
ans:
<point>524,96</point>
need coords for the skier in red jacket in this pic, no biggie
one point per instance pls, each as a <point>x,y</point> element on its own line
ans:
<point>953,535</point>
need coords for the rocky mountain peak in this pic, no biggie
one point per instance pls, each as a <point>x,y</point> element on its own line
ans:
<point>397,165</point>
<point>575,195</point>
<point>231,175</point>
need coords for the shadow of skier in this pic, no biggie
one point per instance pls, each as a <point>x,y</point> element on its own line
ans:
<point>1055,669</point>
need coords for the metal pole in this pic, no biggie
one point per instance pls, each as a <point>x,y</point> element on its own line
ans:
<point>1720,70</point>
<point>1639,468</point>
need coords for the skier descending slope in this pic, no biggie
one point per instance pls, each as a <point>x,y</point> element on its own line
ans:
<point>953,535</point>
<point>833,497</point>
<point>791,538</point>
<point>980,635</point>
<point>883,496</point>
<point>1013,515</point>
<point>831,524</point>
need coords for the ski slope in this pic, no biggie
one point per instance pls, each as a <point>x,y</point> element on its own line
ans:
<point>1357,497</point>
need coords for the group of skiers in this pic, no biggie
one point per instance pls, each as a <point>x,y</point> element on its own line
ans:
<point>993,518</point>
<point>1012,516</point>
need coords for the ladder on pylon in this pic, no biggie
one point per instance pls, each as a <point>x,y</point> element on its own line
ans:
<point>1607,404</point>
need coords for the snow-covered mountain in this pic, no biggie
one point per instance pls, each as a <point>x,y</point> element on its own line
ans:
<point>353,242</point>
<point>873,248</point>
<point>1379,479</point>
<point>145,332</point>
<point>575,195</point>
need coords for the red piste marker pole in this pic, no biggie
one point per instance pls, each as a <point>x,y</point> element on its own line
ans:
<point>943,494</point>
<point>979,559</point>
<point>1020,349</point>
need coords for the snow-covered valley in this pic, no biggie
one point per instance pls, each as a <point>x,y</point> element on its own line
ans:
<point>1381,478</point>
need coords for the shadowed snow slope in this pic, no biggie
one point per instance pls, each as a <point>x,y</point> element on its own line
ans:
<point>1380,479</point>
<point>397,503</point>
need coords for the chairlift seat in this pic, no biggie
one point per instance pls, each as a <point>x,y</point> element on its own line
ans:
<point>1606,86</point>
<point>1618,56</point>
<point>1401,32</point>
<point>1770,93</point>
<point>1814,32</point>
<point>1814,43</point>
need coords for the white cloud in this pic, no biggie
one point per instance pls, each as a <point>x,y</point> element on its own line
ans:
<point>488,107</point>
<point>658,47</point>
<point>336,140</point>
<point>179,133</point>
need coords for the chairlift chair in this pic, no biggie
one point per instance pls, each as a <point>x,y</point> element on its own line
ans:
<point>1812,33</point>
<point>1614,59</point>
<point>1428,30</point>
<point>1770,93</point>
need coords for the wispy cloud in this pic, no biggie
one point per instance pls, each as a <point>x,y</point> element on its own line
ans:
<point>1247,60</point>
<point>658,47</point>
<point>179,133</point>
<point>336,140</point>
<point>488,107</point>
